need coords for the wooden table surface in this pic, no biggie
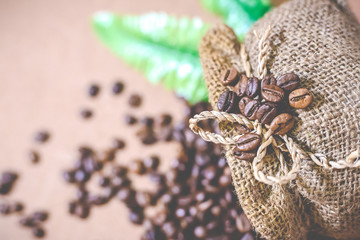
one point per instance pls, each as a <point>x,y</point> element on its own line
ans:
<point>48,56</point>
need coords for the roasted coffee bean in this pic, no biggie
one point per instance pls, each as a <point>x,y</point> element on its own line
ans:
<point>200,232</point>
<point>120,182</point>
<point>241,87</point>
<point>90,164</point>
<point>135,100</point>
<point>118,88</point>
<point>42,136</point>
<point>242,223</point>
<point>247,236</point>
<point>96,199</point>
<point>81,176</point>
<point>228,102</point>
<point>72,207</point>
<point>164,120</point>
<point>248,142</point>
<point>86,113</point>
<point>85,152</point>
<point>34,157</point>
<point>229,77</point>
<point>143,199</point>
<point>147,121</point>
<point>300,98</point>
<point>242,104</point>
<point>288,82</point>
<point>38,232</point>
<point>82,210</point>
<point>169,229</point>
<point>209,172</point>
<point>136,217</point>
<point>130,120</point>
<point>147,136</point>
<point>268,80</point>
<point>272,93</point>
<point>5,208</point>
<point>247,156</point>
<point>266,112</point>
<point>104,181</point>
<point>8,177</point>
<point>251,109</point>
<point>5,188</point>
<point>242,129</point>
<point>26,221</point>
<point>224,180</point>
<point>118,144</point>
<point>137,166</point>
<point>69,176</point>
<point>282,124</point>
<point>17,207</point>
<point>107,155</point>
<point>94,90</point>
<point>119,171</point>
<point>180,212</point>
<point>253,87</point>
<point>151,162</point>
<point>40,216</point>
<point>126,194</point>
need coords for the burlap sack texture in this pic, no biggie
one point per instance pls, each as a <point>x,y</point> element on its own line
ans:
<point>319,41</point>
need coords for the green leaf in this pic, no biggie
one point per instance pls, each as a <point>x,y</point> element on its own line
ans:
<point>238,14</point>
<point>163,48</point>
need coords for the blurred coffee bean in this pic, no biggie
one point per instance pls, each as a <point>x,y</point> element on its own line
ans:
<point>107,155</point>
<point>151,162</point>
<point>180,212</point>
<point>104,181</point>
<point>137,167</point>
<point>135,100</point>
<point>118,87</point>
<point>91,165</point>
<point>120,182</point>
<point>126,194</point>
<point>130,120</point>
<point>42,136</point>
<point>72,207</point>
<point>209,172</point>
<point>69,176</point>
<point>164,119</point>
<point>40,216</point>
<point>82,210</point>
<point>224,180</point>
<point>26,221</point>
<point>216,210</point>
<point>143,199</point>
<point>17,207</point>
<point>169,229</point>
<point>86,113</point>
<point>81,194</point>
<point>242,223</point>
<point>93,199</point>
<point>119,171</point>
<point>34,157</point>
<point>119,144</point>
<point>5,208</point>
<point>81,176</point>
<point>93,90</point>
<point>147,121</point>
<point>136,217</point>
<point>38,232</point>
<point>200,232</point>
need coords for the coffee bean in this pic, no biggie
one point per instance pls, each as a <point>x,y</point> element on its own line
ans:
<point>40,216</point>
<point>69,176</point>
<point>42,136</point>
<point>143,199</point>
<point>130,120</point>
<point>180,212</point>
<point>104,181</point>
<point>229,77</point>
<point>94,90</point>
<point>242,129</point>
<point>200,232</point>
<point>164,119</point>
<point>282,124</point>
<point>241,87</point>
<point>72,207</point>
<point>86,113</point>
<point>119,171</point>
<point>5,208</point>
<point>120,182</point>
<point>247,236</point>
<point>147,121</point>
<point>82,210</point>
<point>253,87</point>
<point>228,102</point>
<point>126,194</point>
<point>26,221</point>
<point>152,162</point>
<point>8,177</point>
<point>300,98</point>
<point>288,82</point>
<point>90,164</point>
<point>107,155</point>
<point>81,194</point>
<point>17,207</point>
<point>137,166</point>
<point>268,80</point>
<point>216,210</point>
<point>119,144</point>
<point>38,232</point>
<point>272,93</point>
<point>242,103</point>
<point>224,180</point>
<point>118,88</point>
<point>251,109</point>
<point>248,142</point>
<point>209,172</point>
<point>266,112</point>
<point>85,152</point>
<point>136,217</point>
<point>135,100</point>
<point>169,229</point>
<point>242,223</point>
<point>34,157</point>
<point>247,156</point>
<point>5,188</point>
<point>96,199</point>
<point>81,176</point>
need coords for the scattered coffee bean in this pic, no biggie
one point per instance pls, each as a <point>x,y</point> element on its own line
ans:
<point>119,144</point>
<point>268,80</point>
<point>242,104</point>
<point>242,223</point>
<point>282,124</point>
<point>288,82</point>
<point>81,176</point>
<point>5,209</point>
<point>40,216</point>
<point>118,88</point>
<point>253,87</point>
<point>229,77</point>
<point>94,90</point>
<point>151,162</point>
<point>7,182</point>
<point>120,182</point>
<point>200,232</point>
<point>136,217</point>
<point>248,142</point>
<point>69,176</point>
<point>251,109</point>
<point>104,181</point>
<point>266,112</point>
<point>86,113</point>
<point>228,102</point>
<point>147,121</point>
<point>26,221</point>
<point>72,207</point>
<point>38,232</point>
<point>164,119</point>
<point>34,157</point>
<point>135,100</point>
<point>247,156</point>
<point>17,207</point>
<point>137,166</point>
<point>42,136</point>
<point>300,98</point>
<point>241,87</point>
<point>272,93</point>
<point>119,171</point>
<point>82,210</point>
<point>130,120</point>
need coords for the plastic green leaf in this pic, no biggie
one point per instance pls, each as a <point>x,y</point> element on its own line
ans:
<point>163,48</point>
<point>238,14</point>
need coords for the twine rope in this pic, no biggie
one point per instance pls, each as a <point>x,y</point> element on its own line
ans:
<point>288,145</point>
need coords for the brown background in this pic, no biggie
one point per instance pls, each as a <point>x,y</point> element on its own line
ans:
<point>48,56</point>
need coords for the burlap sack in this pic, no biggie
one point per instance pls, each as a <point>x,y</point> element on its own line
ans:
<point>319,41</point>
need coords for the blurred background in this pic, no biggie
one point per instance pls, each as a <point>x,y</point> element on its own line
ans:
<point>50,56</point>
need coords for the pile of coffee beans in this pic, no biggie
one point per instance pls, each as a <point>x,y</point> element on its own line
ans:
<point>7,182</point>
<point>267,101</point>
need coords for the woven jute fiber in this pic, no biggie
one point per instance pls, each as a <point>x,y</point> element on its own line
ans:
<point>319,41</point>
